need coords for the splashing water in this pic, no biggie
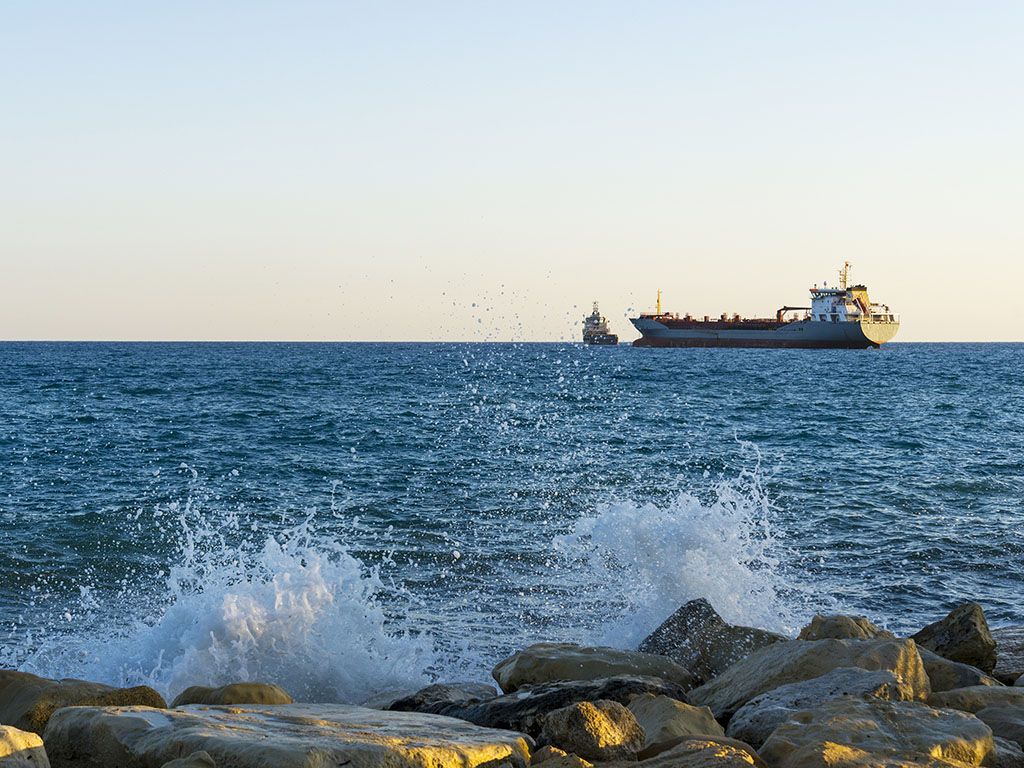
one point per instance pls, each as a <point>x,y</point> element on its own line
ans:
<point>643,561</point>
<point>297,610</point>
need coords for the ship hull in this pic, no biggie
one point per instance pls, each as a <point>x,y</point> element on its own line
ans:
<point>601,340</point>
<point>801,334</point>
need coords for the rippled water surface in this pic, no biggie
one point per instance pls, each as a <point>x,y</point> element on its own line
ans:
<point>351,517</point>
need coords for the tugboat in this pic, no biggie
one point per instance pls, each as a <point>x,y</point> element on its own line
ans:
<point>595,330</point>
<point>840,317</point>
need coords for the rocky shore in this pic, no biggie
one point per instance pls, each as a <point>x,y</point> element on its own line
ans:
<point>697,692</point>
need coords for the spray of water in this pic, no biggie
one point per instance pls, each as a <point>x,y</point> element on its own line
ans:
<point>640,562</point>
<point>298,609</point>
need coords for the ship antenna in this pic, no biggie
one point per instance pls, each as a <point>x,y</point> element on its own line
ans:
<point>844,275</point>
<point>658,312</point>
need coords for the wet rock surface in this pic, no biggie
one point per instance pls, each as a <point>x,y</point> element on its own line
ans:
<point>595,730</point>
<point>1009,654</point>
<point>797,660</point>
<point>841,627</point>
<point>282,736</point>
<point>21,749</point>
<point>667,721</point>
<point>755,721</point>
<point>873,732</point>
<point>435,699</point>
<point>962,636</point>
<point>525,709</point>
<point>27,701</point>
<point>702,642</point>
<point>550,662</point>
<point>235,693</point>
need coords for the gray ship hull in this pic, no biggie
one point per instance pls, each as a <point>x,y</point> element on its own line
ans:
<point>799,334</point>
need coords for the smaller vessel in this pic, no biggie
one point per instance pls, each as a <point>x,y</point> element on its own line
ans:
<point>595,329</point>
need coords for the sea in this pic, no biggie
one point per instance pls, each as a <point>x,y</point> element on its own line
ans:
<point>350,519</point>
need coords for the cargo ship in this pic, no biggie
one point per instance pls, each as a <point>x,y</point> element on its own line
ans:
<point>595,329</point>
<point>840,317</point>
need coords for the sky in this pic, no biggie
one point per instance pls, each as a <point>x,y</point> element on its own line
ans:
<point>485,170</point>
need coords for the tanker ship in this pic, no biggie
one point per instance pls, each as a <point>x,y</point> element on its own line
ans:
<point>840,317</point>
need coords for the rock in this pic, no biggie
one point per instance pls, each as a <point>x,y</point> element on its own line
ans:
<point>235,693</point>
<point>755,720</point>
<point>978,697</point>
<point>840,627</point>
<point>700,640</point>
<point>706,752</point>
<point>596,730</point>
<point>796,660</point>
<point>1005,722</point>
<point>27,701</point>
<point>524,710</point>
<point>548,662</point>
<point>667,721</point>
<point>21,749</point>
<point>1009,654</point>
<point>962,636</point>
<point>279,736</point>
<point>945,675</point>
<point>557,758</point>
<point>1007,754</point>
<point>873,733</point>
<point>195,760</point>
<point>1020,682</point>
<point>436,698</point>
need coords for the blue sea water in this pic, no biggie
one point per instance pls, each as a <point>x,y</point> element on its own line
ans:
<point>349,518</point>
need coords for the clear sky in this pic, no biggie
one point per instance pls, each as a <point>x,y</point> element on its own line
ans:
<point>484,170</point>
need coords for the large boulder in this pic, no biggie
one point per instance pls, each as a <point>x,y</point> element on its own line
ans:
<point>280,736</point>
<point>21,749</point>
<point>700,640</point>
<point>840,627</point>
<point>595,730</point>
<point>979,697</point>
<point>755,720</point>
<point>962,636</point>
<point>1005,722</point>
<point>796,660</point>
<point>548,662</point>
<point>27,701</point>
<point>666,722</point>
<point>873,733</point>
<point>945,675</point>
<point>705,752</point>
<point>235,693</point>
<point>524,710</point>
<point>1009,654</point>
<point>436,698</point>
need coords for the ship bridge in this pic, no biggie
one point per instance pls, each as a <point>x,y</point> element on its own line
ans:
<point>847,304</point>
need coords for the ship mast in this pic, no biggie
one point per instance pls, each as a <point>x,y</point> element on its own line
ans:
<point>658,311</point>
<point>844,275</point>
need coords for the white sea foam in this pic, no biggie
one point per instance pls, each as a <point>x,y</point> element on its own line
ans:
<point>298,609</point>
<point>644,560</point>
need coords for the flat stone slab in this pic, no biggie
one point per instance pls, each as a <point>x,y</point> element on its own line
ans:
<point>283,736</point>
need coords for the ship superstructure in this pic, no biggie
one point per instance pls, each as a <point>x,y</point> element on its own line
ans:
<point>839,317</point>
<point>595,329</point>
